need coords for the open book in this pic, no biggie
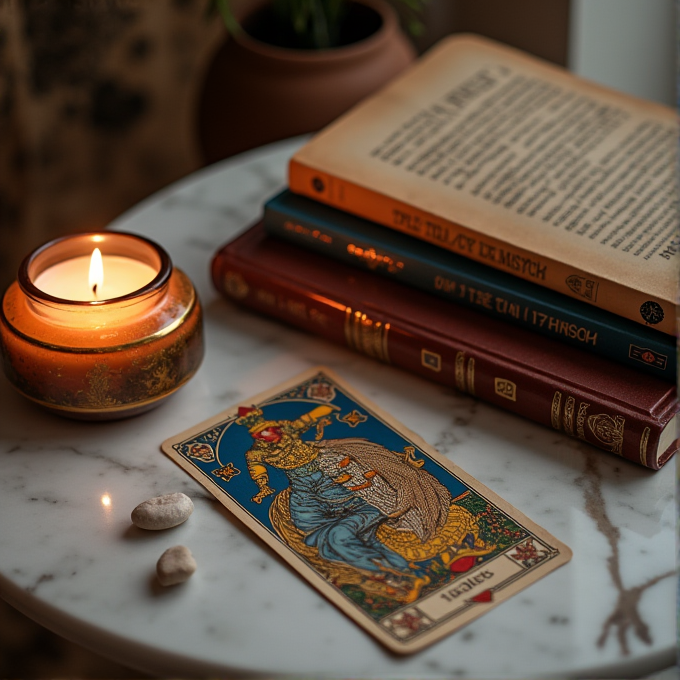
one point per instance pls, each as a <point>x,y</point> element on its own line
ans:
<point>519,164</point>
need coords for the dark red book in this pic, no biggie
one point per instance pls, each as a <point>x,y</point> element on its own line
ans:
<point>608,405</point>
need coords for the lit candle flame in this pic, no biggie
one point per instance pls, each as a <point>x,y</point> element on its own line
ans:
<point>96,271</point>
<point>106,500</point>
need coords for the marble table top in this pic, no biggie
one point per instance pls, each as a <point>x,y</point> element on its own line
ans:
<point>79,567</point>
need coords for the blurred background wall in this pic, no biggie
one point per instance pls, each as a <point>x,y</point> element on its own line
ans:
<point>98,97</point>
<point>97,111</point>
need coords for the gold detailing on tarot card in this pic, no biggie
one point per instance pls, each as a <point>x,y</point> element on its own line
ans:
<point>608,430</point>
<point>644,440</point>
<point>460,522</point>
<point>505,388</point>
<point>568,418</point>
<point>581,419</point>
<point>408,455</point>
<point>227,472</point>
<point>365,335</point>
<point>323,422</point>
<point>352,419</point>
<point>465,373</point>
<point>555,410</point>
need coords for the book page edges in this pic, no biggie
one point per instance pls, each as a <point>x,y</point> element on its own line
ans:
<point>669,440</point>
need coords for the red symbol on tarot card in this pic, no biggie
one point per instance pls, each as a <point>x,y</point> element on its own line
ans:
<point>525,551</point>
<point>485,596</point>
<point>463,564</point>
<point>413,623</point>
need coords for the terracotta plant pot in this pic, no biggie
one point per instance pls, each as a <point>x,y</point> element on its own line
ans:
<point>255,93</point>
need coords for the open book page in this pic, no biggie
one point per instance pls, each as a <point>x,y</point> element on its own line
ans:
<point>523,152</point>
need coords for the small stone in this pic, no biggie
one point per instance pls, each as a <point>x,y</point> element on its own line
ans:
<point>175,565</point>
<point>163,512</point>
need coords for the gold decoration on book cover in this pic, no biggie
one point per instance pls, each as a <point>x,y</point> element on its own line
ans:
<point>365,335</point>
<point>471,375</point>
<point>555,410</point>
<point>505,388</point>
<point>235,285</point>
<point>465,373</point>
<point>644,440</point>
<point>581,419</point>
<point>460,371</point>
<point>568,418</point>
<point>586,288</point>
<point>608,430</point>
<point>431,360</point>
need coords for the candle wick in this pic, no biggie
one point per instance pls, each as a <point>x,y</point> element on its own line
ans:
<point>94,289</point>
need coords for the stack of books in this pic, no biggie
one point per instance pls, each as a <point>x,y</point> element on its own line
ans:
<point>495,224</point>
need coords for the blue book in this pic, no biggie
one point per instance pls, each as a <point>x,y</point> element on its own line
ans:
<point>357,241</point>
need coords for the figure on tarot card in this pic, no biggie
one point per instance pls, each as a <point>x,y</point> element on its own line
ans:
<point>357,509</point>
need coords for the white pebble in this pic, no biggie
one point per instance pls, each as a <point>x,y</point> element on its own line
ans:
<point>162,512</point>
<point>175,565</point>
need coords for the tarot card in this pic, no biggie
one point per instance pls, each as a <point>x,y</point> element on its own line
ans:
<point>394,534</point>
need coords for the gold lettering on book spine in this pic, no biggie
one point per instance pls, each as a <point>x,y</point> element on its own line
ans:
<point>643,446</point>
<point>555,410</point>
<point>460,371</point>
<point>581,419</point>
<point>608,430</point>
<point>568,418</point>
<point>364,335</point>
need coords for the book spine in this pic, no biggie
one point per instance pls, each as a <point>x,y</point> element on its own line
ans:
<point>586,286</point>
<point>357,242</point>
<point>574,410</point>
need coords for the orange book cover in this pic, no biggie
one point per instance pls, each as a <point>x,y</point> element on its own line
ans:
<point>519,164</point>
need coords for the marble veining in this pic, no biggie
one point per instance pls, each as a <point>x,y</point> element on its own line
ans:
<point>625,619</point>
<point>70,557</point>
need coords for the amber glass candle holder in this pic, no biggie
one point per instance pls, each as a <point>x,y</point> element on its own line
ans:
<point>101,359</point>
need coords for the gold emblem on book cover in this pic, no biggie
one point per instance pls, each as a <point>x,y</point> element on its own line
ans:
<point>431,360</point>
<point>505,388</point>
<point>608,430</point>
<point>586,288</point>
<point>235,285</point>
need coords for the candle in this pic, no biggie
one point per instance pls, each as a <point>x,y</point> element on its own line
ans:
<point>70,279</point>
<point>100,326</point>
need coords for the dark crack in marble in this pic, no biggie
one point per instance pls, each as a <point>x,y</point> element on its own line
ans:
<point>625,618</point>
<point>43,579</point>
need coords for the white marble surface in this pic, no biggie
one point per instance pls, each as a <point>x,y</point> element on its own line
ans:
<point>83,570</point>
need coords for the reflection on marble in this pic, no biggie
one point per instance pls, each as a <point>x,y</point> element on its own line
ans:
<point>76,564</point>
